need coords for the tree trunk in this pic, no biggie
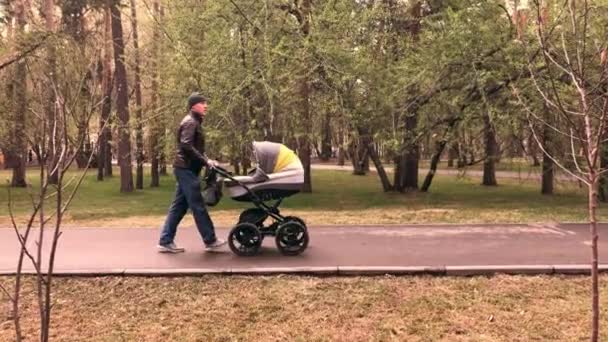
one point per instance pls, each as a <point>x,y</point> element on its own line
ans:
<point>326,138</point>
<point>73,14</point>
<point>163,155</point>
<point>593,186</point>
<point>410,157</point>
<point>359,153</point>
<point>407,161</point>
<point>83,152</point>
<point>245,160</point>
<point>437,156</point>
<point>52,124</point>
<point>305,93</point>
<point>163,158</point>
<point>399,175</point>
<point>547,176</point>
<point>489,164</point>
<point>139,134</point>
<point>108,169</point>
<point>461,161</point>
<point>6,147</point>
<point>154,147</point>
<point>73,19</point>
<point>341,153</point>
<point>122,102</point>
<point>532,151</point>
<point>19,145</point>
<point>104,153</point>
<point>365,160</point>
<point>373,154</point>
<point>154,163</point>
<point>341,156</point>
<point>305,139</point>
<point>236,166</point>
<point>433,168</point>
<point>452,154</point>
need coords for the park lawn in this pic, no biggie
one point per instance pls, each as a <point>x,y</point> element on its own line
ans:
<point>286,308</point>
<point>338,198</point>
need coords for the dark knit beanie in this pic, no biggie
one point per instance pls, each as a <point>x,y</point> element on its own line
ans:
<point>195,98</point>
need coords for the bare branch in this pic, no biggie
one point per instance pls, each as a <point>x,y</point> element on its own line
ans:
<point>14,57</point>
<point>23,238</point>
<point>553,159</point>
<point>573,149</point>
<point>10,297</point>
<point>543,121</point>
<point>245,16</point>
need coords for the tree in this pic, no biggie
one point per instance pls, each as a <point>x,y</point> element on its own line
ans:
<point>139,138</point>
<point>49,203</point>
<point>51,107</point>
<point>18,148</point>
<point>48,209</point>
<point>302,12</point>
<point>491,151</point>
<point>122,101</point>
<point>75,28</point>
<point>104,152</point>
<point>574,89</point>
<point>155,127</point>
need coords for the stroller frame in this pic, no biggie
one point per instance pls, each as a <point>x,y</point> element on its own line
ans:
<point>246,237</point>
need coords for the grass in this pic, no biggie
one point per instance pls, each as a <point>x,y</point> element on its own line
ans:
<point>338,198</point>
<point>212,308</point>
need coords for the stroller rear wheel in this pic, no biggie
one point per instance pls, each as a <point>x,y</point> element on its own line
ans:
<point>245,239</point>
<point>292,238</point>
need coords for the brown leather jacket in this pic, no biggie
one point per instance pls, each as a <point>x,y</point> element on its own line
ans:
<point>190,153</point>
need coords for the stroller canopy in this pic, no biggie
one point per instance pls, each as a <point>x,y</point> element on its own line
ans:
<point>272,158</point>
<point>278,174</point>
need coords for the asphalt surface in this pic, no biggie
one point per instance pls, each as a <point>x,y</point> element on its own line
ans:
<point>335,250</point>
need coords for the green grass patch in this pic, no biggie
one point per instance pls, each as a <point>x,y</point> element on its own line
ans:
<point>451,200</point>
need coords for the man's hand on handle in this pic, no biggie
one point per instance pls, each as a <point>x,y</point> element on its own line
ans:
<point>212,163</point>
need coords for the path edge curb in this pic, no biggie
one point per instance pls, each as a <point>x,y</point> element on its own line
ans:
<point>452,271</point>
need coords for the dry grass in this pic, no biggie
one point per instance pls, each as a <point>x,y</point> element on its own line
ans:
<point>209,308</point>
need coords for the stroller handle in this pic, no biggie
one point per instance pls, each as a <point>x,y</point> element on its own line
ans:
<point>227,174</point>
<point>223,172</point>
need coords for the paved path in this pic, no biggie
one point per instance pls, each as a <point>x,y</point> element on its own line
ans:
<point>407,249</point>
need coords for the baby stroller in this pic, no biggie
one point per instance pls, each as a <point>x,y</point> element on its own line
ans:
<point>279,174</point>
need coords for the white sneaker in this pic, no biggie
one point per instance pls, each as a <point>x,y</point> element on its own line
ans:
<point>216,245</point>
<point>170,248</point>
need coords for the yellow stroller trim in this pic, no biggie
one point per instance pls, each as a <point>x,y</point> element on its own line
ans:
<point>285,157</point>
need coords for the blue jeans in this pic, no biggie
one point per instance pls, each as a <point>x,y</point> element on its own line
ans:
<point>187,195</point>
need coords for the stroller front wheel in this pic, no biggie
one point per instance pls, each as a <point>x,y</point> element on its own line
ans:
<point>245,239</point>
<point>292,238</point>
<point>296,219</point>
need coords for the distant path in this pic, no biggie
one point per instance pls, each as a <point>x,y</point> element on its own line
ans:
<point>451,172</point>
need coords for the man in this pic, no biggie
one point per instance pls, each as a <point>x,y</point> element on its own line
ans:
<point>189,160</point>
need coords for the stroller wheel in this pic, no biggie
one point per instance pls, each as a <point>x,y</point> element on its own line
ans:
<point>292,238</point>
<point>245,239</point>
<point>296,219</point>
